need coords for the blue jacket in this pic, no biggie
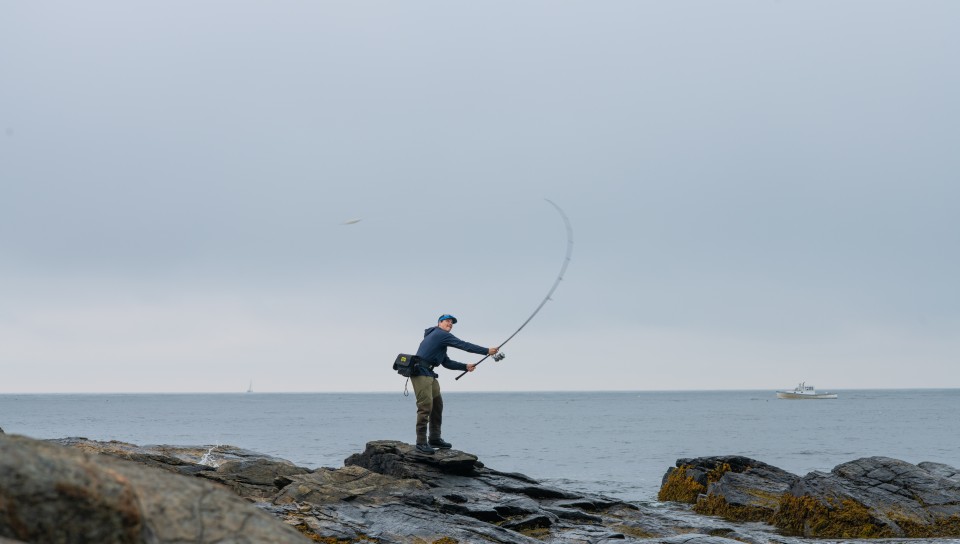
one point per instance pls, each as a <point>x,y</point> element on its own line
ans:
<point>433,351</point>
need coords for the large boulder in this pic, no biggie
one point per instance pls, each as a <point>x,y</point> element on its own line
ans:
<point>56,494</point>
<point>733,486</point>
<point>874,497</point>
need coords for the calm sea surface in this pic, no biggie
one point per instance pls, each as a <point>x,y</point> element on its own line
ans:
<point>617,444</point>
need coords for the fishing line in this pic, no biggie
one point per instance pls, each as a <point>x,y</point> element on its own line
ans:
<point>563,269</point>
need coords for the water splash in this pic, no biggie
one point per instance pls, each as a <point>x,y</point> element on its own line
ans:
<point>207,458</point>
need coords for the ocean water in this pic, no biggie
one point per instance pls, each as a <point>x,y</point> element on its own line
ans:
<point>614,443</point>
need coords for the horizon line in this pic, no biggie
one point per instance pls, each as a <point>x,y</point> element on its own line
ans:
<point>379,392</point>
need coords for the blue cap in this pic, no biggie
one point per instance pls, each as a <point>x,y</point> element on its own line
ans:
<point>446,316</point>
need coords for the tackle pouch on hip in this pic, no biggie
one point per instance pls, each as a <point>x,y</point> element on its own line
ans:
<point>405,363</point>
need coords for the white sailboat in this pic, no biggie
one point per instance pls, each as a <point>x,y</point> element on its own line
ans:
<point>250,387</point>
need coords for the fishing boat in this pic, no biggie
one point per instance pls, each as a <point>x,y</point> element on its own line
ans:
<point>804,391</point>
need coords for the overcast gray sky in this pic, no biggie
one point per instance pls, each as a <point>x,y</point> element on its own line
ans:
<point>761,192</point>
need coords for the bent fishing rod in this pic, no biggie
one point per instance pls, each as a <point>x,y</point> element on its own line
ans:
<point>563,270</point>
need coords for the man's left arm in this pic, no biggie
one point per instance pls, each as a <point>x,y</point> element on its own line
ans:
<point>452,365</point>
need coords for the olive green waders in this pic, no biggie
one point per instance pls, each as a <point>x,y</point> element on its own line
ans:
<point>429,407</point>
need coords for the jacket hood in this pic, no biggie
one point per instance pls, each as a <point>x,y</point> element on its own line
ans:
<point>429,330</point>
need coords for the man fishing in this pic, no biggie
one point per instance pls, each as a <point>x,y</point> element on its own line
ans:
<point>432,353</point>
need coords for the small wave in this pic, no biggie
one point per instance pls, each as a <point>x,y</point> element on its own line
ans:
<point>609,488</point>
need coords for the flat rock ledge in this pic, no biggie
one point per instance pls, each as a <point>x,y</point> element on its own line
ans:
<point>871,497</point>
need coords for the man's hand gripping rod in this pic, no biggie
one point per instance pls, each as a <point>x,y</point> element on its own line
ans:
<point>563,269</point>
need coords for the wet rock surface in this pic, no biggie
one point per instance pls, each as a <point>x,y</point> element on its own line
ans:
<point>399,495</point>
<point>872,497</point>
<point>55,494</point>
<point>876,496</point>
<point>735,487</point>
<point>389,493</point>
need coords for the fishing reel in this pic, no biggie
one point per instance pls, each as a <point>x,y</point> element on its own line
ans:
<point>499,356</point>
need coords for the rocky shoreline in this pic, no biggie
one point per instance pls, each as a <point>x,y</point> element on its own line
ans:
<point>871,497</point>
<point>78,490</point>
